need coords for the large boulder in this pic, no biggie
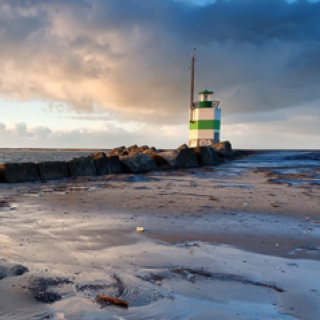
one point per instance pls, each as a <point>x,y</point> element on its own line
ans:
<point>183,158</point>
<point>53,170</point>
<point>137,163</point>
<point>139,149</point>
<point>134,146</point>
<point>82,167</point>
<point>134,149</point>
<point>125,152</point>
<point>224,148</point>
<point>149,150</point>
<point>115,164</point>
<point>18,172</point>
<point>207,156</point>
<point>160,161</point>
<point>98,155</point>
<point>116,151</point>
<point>183,146</point>
<point>144,147</point>
<point>106,165</point>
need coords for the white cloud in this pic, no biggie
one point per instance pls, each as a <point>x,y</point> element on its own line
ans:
<point>100,135</point>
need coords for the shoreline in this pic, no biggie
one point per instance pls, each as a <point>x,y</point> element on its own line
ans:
<point>107,149</point>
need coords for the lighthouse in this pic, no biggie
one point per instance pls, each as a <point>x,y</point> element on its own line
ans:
<point>205,116</point>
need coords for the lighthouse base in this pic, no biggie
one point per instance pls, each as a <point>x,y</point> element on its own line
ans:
<point>193,143</point>
<point>203,137</point>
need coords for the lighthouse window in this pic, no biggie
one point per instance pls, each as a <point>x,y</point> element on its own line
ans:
<point>205,97</point>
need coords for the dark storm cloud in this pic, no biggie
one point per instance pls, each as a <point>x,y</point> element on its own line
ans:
<point>252,21</point>
<point>238,20</point>
<point>131,56</point>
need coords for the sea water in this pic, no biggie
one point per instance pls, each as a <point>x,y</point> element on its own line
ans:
<point>40,155</point>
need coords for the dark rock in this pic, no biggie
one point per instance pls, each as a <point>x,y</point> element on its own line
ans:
<point>82,167</point>
<point>137,163</point>
<point>19,270</point>
<point>184,158</point>
<point>134,146</point>
<point>207,156</point>
<point>3,272</point>
<point>134,151</point>
<point>149,150</point>
<point>223,148</point>
<point>187,158</point>
<point>141,149</point>
<point>53,170</point>
<point>4,204</point>
<point>115,165</point>
<point>18,172</point>
<point>159,160</point>
<point>183,146</point>
<point>116,151</point>
<point>124,153</point>
<point>106,165</point>
<point>96,156</point>
<point>112,153</point>
<point>39,288</point>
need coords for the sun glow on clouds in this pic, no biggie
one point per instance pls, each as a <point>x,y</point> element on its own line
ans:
<point>87,70</point>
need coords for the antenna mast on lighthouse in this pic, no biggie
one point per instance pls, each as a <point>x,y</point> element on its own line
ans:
<point>192,86</point>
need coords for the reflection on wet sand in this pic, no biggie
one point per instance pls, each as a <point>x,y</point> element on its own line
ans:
<point>223,242</point>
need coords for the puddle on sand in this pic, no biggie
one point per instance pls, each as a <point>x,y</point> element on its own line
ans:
<point>274,159</point>
<point>278,162</point>
<point>296,182</point>
<point>310,249</point>
<point>68,188</point>
<point>292,168</point>
<point>235,186</point>
<point>161,282</point>
<point>6,206</point>
<point>218,172</point>
<point>181,308</point>
<point>293,171</point>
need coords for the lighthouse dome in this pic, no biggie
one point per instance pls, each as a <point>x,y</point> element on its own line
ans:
<point>206,92</point>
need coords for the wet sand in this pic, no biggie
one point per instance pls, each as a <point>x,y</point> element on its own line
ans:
<point>225,243</point>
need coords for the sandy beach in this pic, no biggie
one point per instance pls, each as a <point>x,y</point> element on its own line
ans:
<point>237,241</point>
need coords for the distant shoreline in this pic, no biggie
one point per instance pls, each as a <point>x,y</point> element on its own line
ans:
<point>108,149</point>
<point>54,149</point>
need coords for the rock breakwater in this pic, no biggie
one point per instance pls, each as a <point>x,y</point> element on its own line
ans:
<point>133,159</point>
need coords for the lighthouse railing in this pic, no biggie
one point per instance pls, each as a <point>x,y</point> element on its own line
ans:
<point>215,104</point>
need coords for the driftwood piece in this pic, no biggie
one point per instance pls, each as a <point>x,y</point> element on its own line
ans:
<point>115,301</point>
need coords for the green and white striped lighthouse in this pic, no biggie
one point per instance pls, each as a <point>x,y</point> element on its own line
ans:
<point>205,121</point>
<point>205,117</point>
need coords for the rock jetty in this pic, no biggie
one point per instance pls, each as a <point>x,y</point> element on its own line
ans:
<point>133,159</point>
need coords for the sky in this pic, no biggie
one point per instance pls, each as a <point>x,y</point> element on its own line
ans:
<point>105,73</point>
